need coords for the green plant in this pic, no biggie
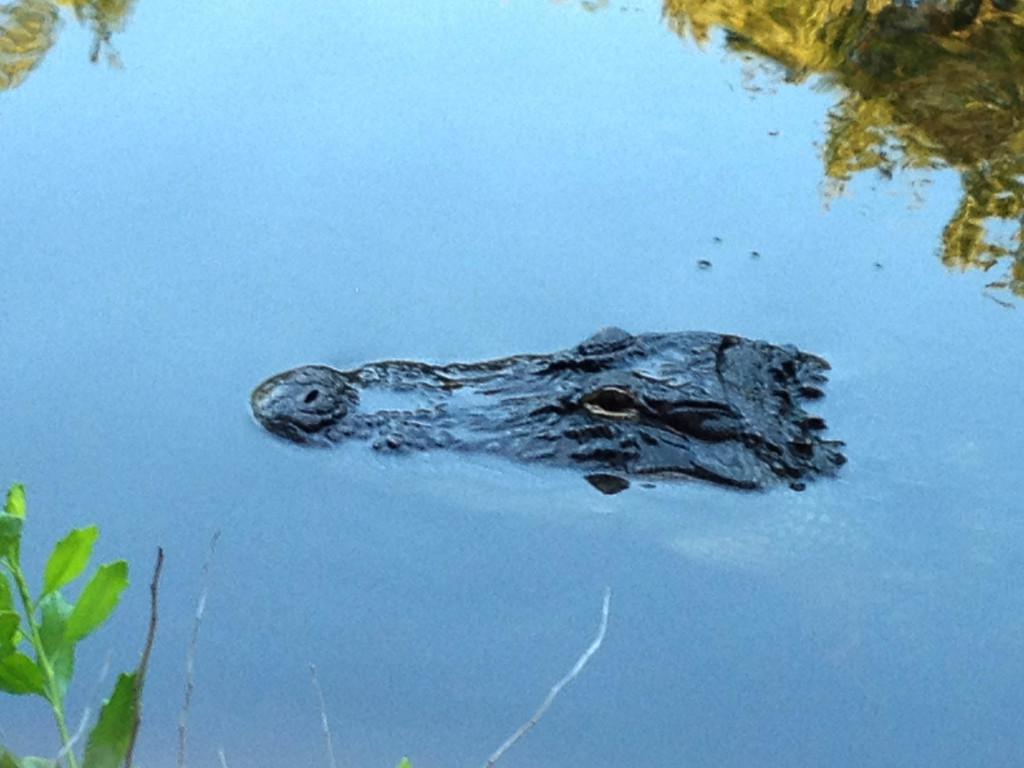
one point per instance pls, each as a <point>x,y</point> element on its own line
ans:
<point>50,626</point>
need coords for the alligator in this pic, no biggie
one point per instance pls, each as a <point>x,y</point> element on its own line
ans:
<point>709,406</point>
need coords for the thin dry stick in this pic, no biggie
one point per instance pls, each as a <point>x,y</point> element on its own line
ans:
<point>191,655</point>
<point>86,713</point>
<point>77,735</point>
<point>331,762</point>
<point>140,671</point>
<point>558,686</point>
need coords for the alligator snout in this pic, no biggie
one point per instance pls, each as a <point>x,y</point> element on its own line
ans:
<point>301,403</point>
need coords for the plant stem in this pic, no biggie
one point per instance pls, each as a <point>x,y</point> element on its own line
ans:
<point>52,693</point>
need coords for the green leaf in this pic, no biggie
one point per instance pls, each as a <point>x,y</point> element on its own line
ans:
<point>7,759</point>
<point>11,522</point>
<point>404,763</point>
<point>15,504</point>
<point>10,623</point>
<point>6,594</point>
<point>19,674</point>
<point>108,739</point>
<point>10,536</point>
<point>54,612</point>
<point>68,558</point>
<point>30,761</point>
<point>98,598</point>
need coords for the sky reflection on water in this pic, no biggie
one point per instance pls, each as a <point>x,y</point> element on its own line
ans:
<point>267,189</point>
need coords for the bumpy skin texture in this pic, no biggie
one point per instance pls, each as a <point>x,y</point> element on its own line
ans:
<point>703,405</point>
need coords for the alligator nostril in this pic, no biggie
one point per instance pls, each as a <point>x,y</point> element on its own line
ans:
<point>312,395</point>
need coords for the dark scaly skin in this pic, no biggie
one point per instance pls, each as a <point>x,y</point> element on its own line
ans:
<point>703,405</point>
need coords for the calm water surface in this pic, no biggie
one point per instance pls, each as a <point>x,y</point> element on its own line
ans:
<point>261,187</point>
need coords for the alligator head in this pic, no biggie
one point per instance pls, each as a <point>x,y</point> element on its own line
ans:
<point>704,405</point>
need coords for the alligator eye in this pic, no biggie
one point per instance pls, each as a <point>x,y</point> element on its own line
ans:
<point>616,402</point>
<point>312,395</point>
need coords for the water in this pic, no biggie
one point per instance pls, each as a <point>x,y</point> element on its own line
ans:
<point>263,187</point>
